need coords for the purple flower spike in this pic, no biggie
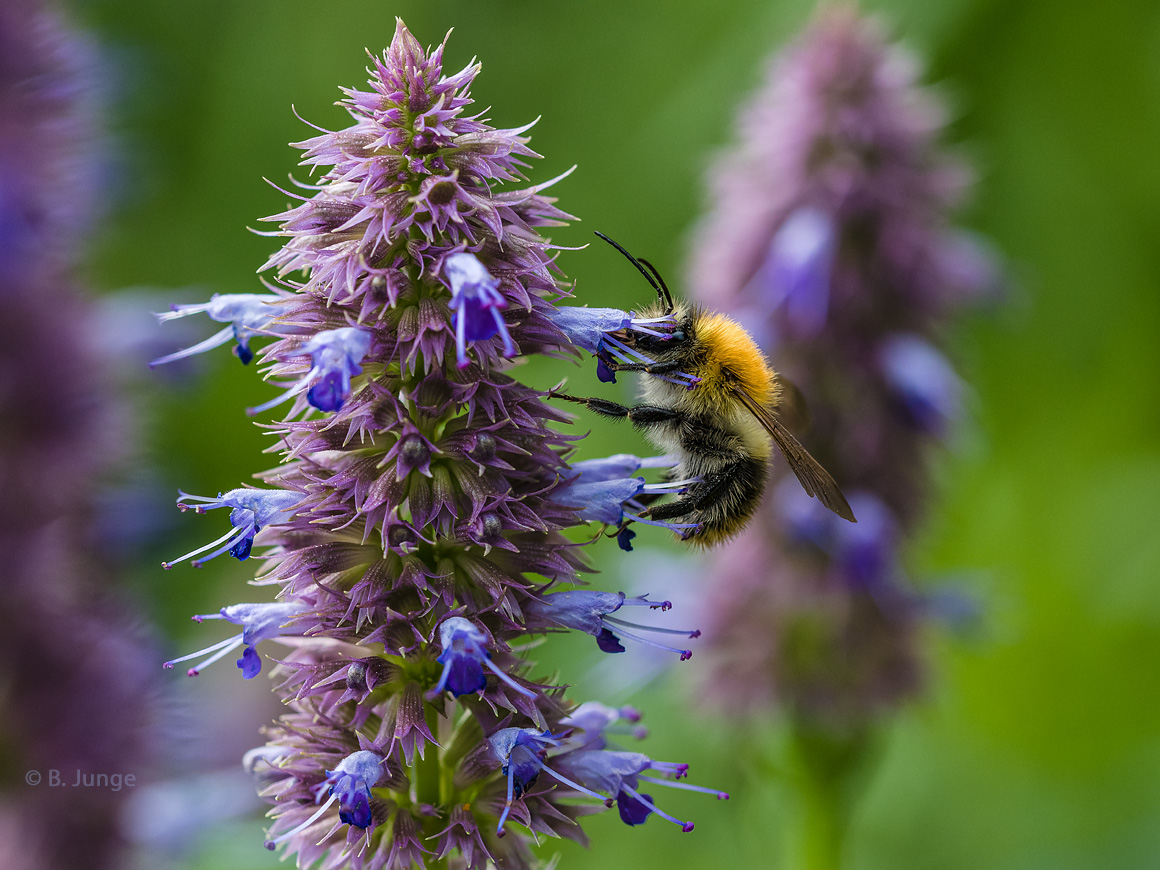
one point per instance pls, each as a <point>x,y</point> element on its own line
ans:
<point>589,612</point>
<point>831,231</point>
<point>259,622</point>
<point>464,658</point>
<point>419,522</point>
<point>335,355</point>
<point>477,303</point>
<point>798,269</point>
<point>251,510</point>
<point>249,314</point>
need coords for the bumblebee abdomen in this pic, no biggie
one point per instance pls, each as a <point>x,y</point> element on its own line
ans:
<point>728,497</point>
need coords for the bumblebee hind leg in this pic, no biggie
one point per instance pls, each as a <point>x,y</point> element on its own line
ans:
<point>700,496</point>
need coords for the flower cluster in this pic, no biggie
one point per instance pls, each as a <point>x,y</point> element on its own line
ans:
<point>828,236</point>
<point>415,524</point>
<point>77,686</point>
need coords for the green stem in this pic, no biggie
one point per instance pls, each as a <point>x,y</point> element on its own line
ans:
<point>821,829</point>
<point>427,771</point>
<point>829,767</point>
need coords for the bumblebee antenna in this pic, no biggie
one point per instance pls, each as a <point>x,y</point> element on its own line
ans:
<point>661,291</point>
<point>664,286</point>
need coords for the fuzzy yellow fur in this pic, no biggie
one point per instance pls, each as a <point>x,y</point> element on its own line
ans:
<point>732,357</point>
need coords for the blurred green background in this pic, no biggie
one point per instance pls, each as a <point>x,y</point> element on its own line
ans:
<point>1039,742</point>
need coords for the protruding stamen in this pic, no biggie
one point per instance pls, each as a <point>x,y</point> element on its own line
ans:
<point>607,801</point>
<point>272,844</point>
<point>218,650</point>
<point>668,783</point>
<point>684,826</point>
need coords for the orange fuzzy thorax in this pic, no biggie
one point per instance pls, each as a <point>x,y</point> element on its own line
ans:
<point>731,357</point>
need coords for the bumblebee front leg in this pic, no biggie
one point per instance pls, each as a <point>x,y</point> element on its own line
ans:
<point>638,415</point>
<point>657,368</point>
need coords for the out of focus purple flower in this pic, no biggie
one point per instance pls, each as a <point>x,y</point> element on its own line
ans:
<point>830,227</point>
<point>921,380</point>
<point>78,693</point>
<point>593,721</point>
<point>797,272</point>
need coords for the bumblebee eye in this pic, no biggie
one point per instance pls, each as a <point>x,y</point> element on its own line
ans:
<point>677,335</point>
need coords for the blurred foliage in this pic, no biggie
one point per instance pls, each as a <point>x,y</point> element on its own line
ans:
<point>1039,745</point>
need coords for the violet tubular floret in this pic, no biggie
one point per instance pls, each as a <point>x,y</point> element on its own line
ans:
<point>259,622</point>
<point>590,612</point>
<point>248,315</point>
<point>464,659</point>
<point>350,784</point>
<point>797,273</point>
<point>478,305</point>
<point>521,753</point>
<point>924,384</point>
<point>592,721</point>
<point>619,465</point>
<point>251,510</point>
<point>620,774</point>
<point>335,357</point>
<point>609,501</point>
<point>592,329</point>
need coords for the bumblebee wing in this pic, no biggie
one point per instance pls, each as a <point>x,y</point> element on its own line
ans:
<point>814,479</point>
<point>792,408</point>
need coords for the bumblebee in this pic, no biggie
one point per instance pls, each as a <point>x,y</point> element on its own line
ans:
<point>712,401</point>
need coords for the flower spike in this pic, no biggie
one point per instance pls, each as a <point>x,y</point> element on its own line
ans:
<point>414,528</point>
